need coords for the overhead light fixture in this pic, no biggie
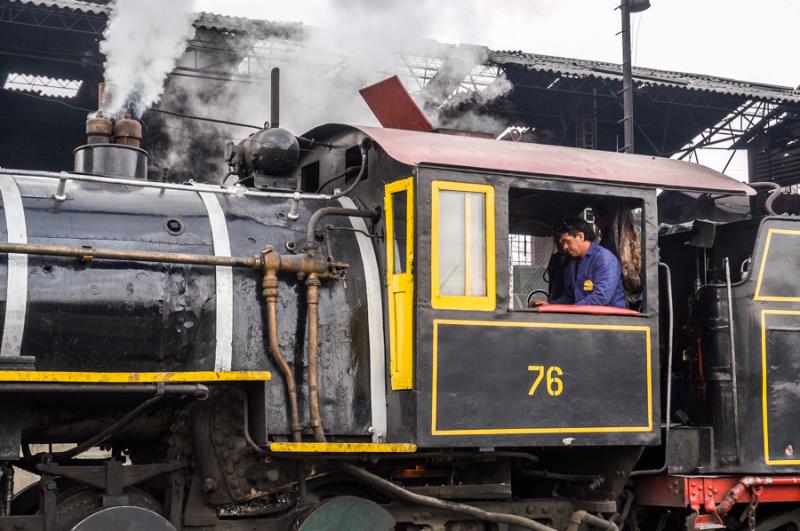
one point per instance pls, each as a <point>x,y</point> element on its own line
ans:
<point>637,6</point>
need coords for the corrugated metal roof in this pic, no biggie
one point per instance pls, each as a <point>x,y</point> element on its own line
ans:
<point>257,28</point>
<point>545,63</point>
<point>646,76</point>
<point>415,148</point>
<point>73,5</point>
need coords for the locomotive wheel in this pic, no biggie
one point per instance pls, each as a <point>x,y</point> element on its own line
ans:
<point>347,513</point>
<point>76,502</point>
<point>124,518</point>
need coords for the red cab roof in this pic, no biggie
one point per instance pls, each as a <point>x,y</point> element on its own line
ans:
<point>416,148</point>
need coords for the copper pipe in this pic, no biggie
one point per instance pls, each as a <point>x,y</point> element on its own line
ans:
<point>311,240</point>
<point>312,297</point>
<point>579,517</point>
<point>128,132</point>
<point>270,291</point>
<point>443,505</point>
<point>88,253</point>
<point>101,96</point>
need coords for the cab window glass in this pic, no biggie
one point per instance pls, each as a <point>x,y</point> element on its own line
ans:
<point>463,268</point>
<point>399,229</point>
<point>462,264</point>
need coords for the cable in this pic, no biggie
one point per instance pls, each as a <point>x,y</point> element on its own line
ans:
<point>430,501</point>
<point>109,431</point>
<point>345,173</point>
<point>49,100</point>
<point>203,119</point>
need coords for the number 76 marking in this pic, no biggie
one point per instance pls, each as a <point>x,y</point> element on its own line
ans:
<point>555,386</point>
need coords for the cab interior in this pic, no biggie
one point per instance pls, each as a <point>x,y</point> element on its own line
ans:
<point>533,216</point>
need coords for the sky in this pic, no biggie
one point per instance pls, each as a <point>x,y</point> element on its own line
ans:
<point>726,38</point>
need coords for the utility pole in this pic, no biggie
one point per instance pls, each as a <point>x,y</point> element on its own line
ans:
<point>626,8</point>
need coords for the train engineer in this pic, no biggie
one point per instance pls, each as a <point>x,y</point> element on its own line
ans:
<point>592,275</point>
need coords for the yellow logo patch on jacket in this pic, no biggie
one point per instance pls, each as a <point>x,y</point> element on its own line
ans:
<point>588,285</point>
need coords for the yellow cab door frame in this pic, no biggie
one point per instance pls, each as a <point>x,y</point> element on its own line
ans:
<point>399,206</point>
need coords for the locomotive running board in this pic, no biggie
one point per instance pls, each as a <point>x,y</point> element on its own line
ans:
<point>342,448</point>
<point>131,377</point>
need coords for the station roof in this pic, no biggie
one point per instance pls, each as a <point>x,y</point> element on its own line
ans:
<point>416,148</point>
<point>646,76</point>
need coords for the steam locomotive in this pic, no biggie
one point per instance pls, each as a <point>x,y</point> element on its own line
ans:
<point>342,340</point>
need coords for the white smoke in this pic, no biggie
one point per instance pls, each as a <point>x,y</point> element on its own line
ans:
<point>359,45</point>
<point>321,75</point>
<point>142,42</point>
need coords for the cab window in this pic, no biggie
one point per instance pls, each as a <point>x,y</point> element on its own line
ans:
<point>533,256</point>
<point>463,254</point>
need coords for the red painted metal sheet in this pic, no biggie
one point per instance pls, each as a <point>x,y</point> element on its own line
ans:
<point>708,492</point>
<point>586,309</point>
<point>415,148</point>
<point>393,106</point>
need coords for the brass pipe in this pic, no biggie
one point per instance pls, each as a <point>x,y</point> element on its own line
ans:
<point>270,291</point>
<point>302,264</point>
<point>312,297</point>
<point>88,253</point>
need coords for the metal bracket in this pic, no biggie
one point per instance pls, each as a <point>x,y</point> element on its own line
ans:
<point>113,477</point>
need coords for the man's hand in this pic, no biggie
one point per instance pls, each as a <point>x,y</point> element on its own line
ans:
<point>535,304</point>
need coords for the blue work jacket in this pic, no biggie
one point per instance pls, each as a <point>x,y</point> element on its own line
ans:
<point>594,279</point>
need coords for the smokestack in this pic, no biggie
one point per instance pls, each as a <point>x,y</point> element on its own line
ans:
<point>128,132</point>
<point>275,95</point>
<point>112,146</point>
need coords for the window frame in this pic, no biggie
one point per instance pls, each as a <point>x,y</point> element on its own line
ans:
<point>486,302</point>
<point>401,361</point>
<point>645,203</point>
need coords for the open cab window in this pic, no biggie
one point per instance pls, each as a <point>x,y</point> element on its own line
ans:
<point>463,247</point>
<point>535,265</point>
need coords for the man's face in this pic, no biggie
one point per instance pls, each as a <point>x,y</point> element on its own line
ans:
<point>572,245</point>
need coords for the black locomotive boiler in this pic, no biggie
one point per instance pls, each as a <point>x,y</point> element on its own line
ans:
<point>342,340</point>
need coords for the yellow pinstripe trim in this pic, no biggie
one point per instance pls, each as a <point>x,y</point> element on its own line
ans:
<point>132,377</point>
<point>522,431</point>
<point>342,448</point>
<point>767,460</point>
<point>770,298</point>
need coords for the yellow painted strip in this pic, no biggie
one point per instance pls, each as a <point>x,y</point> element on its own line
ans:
<point>629,328</point>
<point>435,375</point>
<point>649,383</point>
<point>772,298</point>
<point>764,385</point>
<point>756,296</point>
<point>544,431</point>
<point>764,378</point>
<point>343,448</point>
<point>532,431</point>
<point>132,377</point>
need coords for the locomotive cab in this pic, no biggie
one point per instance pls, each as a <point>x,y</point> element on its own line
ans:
<point>467,231</point>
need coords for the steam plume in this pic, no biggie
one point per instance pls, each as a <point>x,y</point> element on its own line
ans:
<point>142,43</point>
<point>322,70</point>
